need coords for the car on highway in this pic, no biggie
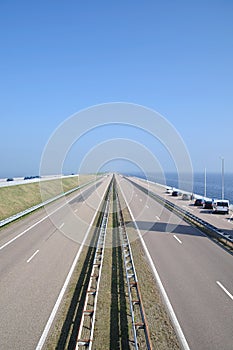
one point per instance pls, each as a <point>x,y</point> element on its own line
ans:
<point>199,202</point>
<point>175,193</point>
<point>221,206</point>
<point>31,177</point>
<point>207,204</point>
<point>186,196</point>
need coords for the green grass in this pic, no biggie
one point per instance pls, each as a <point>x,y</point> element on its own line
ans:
<point>14,199</point>
<point>113,322</point>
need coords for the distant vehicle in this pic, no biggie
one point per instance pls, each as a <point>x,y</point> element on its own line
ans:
<point>199,202</point>
<point>10,179</point>
<point>221,206</point>
<point>175,193</point>
<point>207,205</point>
<point>186,196</point>
<point>31,177</point>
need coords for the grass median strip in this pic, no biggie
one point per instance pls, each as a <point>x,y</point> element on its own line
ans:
<point>113,322</point>
<point>113,328</point>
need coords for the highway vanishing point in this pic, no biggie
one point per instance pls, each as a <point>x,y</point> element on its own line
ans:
<point>193,271</point>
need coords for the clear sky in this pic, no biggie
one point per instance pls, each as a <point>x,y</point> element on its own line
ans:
<point>59,57</point>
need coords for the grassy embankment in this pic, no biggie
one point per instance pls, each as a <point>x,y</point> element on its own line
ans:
<point>14,199</point>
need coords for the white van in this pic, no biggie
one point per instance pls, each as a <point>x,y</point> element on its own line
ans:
<point>221,206</point>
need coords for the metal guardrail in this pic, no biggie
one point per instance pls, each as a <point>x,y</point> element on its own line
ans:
<point>87,324</point>
<point>196,195</point>
<point>191,218</point>
<point>137,311</point>
<point>86,329</point>
<point>38,206</point>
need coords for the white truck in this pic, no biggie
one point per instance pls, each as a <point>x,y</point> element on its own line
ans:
<point>221,206</point>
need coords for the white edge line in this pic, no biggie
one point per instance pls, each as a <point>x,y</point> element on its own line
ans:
<point>158,218</point>
<point>62,292</point>
<point>33,255</point>
<point>177,239</point>
<point>162,289</point>
<point>61,225</point>
<point>28,229</point>
<point>224,289</point>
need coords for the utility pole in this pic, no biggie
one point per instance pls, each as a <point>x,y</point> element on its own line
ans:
<point>205,183</point>
<point>222,159</point>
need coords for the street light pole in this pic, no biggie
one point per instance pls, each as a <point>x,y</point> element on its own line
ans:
<point>205,183</point>
<point>222,177</point>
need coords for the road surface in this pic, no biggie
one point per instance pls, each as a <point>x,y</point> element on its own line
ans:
<point>197,274</point>
<point>36,254</point>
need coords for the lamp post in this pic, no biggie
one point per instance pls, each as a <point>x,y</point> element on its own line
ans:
<point>222,159</point>
<point>205,183</point>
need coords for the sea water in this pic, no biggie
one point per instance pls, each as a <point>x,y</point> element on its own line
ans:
<point>197,185</point>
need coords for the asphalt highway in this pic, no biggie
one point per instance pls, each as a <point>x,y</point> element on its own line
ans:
<point>196,273</point>
<point>223,222</point>
<point>36,254</point>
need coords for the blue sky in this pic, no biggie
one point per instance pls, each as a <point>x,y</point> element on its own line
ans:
<point>59,57</point>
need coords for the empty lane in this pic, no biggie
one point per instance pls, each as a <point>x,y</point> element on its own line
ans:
<point>34,266</point>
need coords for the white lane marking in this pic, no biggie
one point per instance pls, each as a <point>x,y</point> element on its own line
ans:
<point>147,207</point>
<point>22,233</point>
<point>224,289</point>
<point>33,255</point>
<point>61,226</point>
<point>34,225</point>
<point>162,289</point>
<point>76,210</point>
<point>177,239</point>
<point>140,199</point>
<point>62,292</point>
<point>158,218</point>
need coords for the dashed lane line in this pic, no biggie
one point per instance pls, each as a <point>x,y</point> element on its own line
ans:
<point>224,289</point>
<point>178,240</point>
<point>163,291</point>
<point>33,255</point>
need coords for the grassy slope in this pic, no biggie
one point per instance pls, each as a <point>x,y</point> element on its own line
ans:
<point>14,199</point>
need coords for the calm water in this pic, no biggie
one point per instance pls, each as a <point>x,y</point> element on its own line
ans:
<point>213,184</point>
